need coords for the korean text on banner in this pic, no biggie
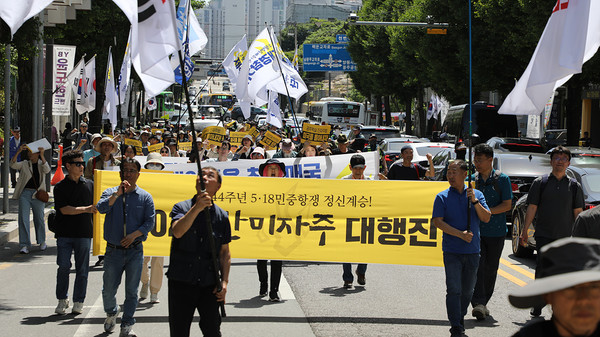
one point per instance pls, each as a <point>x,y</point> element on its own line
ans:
<point>315,134</point>
<point>303,219</point>
<point>236,137</point>
<point>155,147</point>
<point>214,134</point>
<point>185,146</point>
<point>63,61</point>
<point>270,140</point>
<point>135,143</point>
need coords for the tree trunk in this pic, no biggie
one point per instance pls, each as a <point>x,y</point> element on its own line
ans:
<point>24,109</point>
<point>388,111</point>
<point>573,112</point>
<point>408,118</point>
<point>421,113</point>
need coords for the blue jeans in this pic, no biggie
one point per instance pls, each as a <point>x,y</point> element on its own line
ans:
<point>347,276</point>
<point>117,261</point>
<point>461,274</point>
<point>80,247</point>
<point>26,203</point>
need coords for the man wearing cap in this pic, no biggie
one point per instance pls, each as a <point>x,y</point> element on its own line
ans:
<point>342,146</point>
<point>258,153</point>
<point>587,224</point>
<point>287,150</point>
<point>87,154</point>
<point>14,144</point>
<point>404,169</point>
<point>460,243</point>
<point>569,281</point>
<point>107,148</point>
<point>554,200</point>
<point>270,168</point>
<point>357,166</point>
<point>83,139</point>
<point>357,139</point>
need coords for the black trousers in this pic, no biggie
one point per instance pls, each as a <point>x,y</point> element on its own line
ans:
<point>261,266</point>
<point>184,299</point>
<point>491,251</point>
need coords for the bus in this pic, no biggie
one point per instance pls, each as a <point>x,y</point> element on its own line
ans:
<point>335,110</point>
<point>223,99</point>
<point>165,104</point>
<point>487,123</point>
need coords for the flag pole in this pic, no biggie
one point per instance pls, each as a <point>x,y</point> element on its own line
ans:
<point>206,211</point>
<point>469,205</point>
<point>283,78</point>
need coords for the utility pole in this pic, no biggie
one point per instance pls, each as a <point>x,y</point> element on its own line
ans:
<point>7,115</point>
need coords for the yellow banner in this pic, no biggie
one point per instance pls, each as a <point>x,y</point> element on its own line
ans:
<point>214,134</point>
<point>303,219</point>
<point>154,130</point>
<point>136,143</point>
<point>186,146</point>
<point>270,140</point>
<point>156,147</point>
<point>236,138</point>
<point>254,133</point>
<point>315,134</point>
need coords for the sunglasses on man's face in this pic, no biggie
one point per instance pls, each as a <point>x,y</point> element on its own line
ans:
<point>78,163</point>
<point>164,151</point>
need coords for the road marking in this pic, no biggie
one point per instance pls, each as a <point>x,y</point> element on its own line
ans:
<point>86,328</point>
<point>511,278</point>
<point>5,265</point>
<point>518,269</point>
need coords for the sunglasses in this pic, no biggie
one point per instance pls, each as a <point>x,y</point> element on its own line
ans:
<point>78,163</point>
<point>164,151</point>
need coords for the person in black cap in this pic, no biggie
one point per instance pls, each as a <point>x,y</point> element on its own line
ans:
<point>569,281</point>
<point>270,168</point>
<point>404,169</point>
<point>342,146</point>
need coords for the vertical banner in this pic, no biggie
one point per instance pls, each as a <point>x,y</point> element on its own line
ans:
<point>315,134</point>
<point>63,60</point>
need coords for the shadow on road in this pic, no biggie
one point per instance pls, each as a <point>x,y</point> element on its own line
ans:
<point>341,291</point>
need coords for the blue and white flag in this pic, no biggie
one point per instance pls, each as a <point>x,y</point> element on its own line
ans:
<point>192,39</point>
<point>294,83</point>
<point>234,60</point>
<point>274,111</point>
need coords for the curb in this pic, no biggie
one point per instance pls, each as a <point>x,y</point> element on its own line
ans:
<point>11,230</point>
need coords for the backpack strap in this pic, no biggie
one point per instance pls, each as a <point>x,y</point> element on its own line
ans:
<point>416,169</point>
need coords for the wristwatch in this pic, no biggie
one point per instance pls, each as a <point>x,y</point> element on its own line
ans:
<point>475,202</point>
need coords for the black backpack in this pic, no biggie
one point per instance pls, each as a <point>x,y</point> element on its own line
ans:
<point>52,221</point>
<point>495,177</point>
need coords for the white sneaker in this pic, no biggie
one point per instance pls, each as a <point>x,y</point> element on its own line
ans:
<point>62,307</point>
<point>111,321</point>
<point>77,308</point>
<point>43,246</point>
<point>24,250</point>
<point>127,331</point>
<point>154,298</point>
<point>144,292</point>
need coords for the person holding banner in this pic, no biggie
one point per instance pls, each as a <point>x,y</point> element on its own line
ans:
<point>192,283</point>
<point>357,166</point>
<point>308,150</point>
<point>244,151</point>
<point>460,241</point>
<point>286,150</point>
<point>129,217</point>
<point>270,168</point>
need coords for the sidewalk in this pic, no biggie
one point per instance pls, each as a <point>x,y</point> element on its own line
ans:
<point>9,226</point>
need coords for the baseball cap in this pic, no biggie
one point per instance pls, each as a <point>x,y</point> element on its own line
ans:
<point>357,161</point>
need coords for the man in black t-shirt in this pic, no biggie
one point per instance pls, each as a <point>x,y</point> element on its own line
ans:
<point>404,169</point>
<point>74,204</point>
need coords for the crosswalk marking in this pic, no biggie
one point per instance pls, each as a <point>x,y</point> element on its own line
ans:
<point>517,269</point>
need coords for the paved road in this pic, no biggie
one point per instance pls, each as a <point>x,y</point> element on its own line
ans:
<point>397,301</point>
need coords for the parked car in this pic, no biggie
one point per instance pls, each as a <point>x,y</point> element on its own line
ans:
<point>513,144</point>
<point>553,138</point>
<point>382,132</point>
<point>183,121</point>
<point>238,115</point>
<point>587,174</point>
<point>210,111</point>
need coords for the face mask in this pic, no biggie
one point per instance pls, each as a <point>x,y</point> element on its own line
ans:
<point>154,167</point>
<point>337,132</point>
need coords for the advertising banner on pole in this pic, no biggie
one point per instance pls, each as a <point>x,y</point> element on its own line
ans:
<point>63,60</point>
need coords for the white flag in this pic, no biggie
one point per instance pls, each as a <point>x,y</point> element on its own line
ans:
<point>439,107</point>
<point>233,62</point>
<point>294,83</point>
<point>154,39</point>
<point>431,107</point>
<point>571,37</point>
<point>125,73</point>
<point>81,97</point>
<point>274,111</point>
<point>258,70</point>
<point>198,39</point>
<point>90,87</point>
<point>15,13</point>
<point>110,101</point>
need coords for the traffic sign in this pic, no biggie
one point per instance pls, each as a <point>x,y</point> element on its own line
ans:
<point>341,38</point>
<point>327,57</point>
<point>441,31</point>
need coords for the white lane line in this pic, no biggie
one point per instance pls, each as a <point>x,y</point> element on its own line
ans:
<point>86,328</point>
<point>285,291</point>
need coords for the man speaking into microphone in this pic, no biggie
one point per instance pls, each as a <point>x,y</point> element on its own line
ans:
<point>129,217</point>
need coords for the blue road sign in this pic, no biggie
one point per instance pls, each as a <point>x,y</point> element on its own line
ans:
<point>327,57</point>
<point>341,38</point>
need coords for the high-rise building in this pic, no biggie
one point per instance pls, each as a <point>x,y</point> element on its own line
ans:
<point>301,11</point>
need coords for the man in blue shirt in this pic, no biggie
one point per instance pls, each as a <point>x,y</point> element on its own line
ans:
<point>14,144</point>
<point>129,217</point>
<point>460,243</point>
<point>498,194</point>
